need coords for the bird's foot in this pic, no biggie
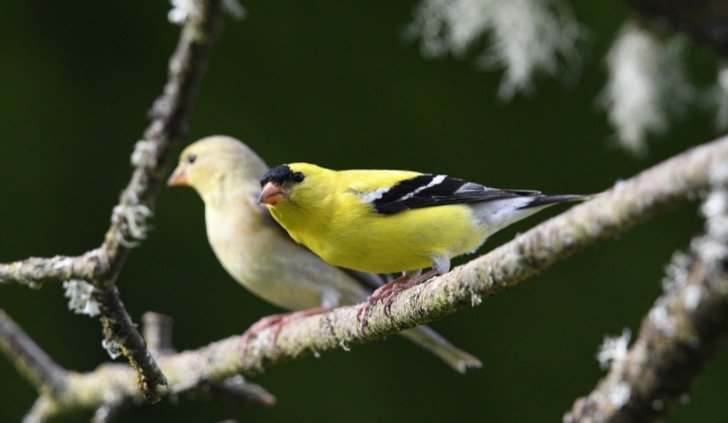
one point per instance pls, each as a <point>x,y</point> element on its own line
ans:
<point>275,322</point>
<point>387,292</point>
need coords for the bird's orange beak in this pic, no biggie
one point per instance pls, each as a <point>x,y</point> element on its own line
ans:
<point>272,194</point>
<point>179,176</point>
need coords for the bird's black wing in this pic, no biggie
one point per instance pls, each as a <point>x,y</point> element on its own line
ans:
<point>438,190</point>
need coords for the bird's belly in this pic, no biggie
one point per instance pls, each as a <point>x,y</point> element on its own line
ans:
<point>274,268</point>
<point>401,242</point>
<point>269,276</point>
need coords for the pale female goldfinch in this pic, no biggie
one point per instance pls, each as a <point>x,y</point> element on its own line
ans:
<point>387,221</point>
<point>259,254</point>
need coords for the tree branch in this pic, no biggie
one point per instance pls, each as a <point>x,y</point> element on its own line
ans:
<point>43,409</point>
<point>137,202</point>
<point>112,387</point>
<point>157,330</point>
<point>682,331</point>
<point>151,158</point>
<point>30,360</point>
<point>121,336</point>
<point>158,334</point>
<point>36,271</point>
<point>236,389</point>
<point>608,214</point>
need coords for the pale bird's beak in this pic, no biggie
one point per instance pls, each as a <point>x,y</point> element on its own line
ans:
<point>272,194</point>
<point>179,176</point>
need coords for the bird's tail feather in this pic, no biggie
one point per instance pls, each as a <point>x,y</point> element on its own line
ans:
<point>430,340</point>
<point>545,200</point>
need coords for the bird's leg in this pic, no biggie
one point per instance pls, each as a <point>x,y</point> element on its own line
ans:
<point>276,323</point>
<point>387,292</point>
<point>406,284</point>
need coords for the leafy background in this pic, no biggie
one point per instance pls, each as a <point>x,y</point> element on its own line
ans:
<point>333,83</point>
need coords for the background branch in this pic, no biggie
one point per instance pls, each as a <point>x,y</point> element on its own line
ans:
<point>679,335</point>
<point>30,360</point>
<point>157,330</point>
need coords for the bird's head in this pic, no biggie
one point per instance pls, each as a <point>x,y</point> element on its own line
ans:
<point>286,182</point>
<point>206,164</point>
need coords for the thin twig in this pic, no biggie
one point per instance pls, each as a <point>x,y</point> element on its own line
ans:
<point>30,360</point>
<point>121,333</point>
<point>109,411</point>
<point>157,331</point>
<point>43,409</point>
<point>238,390</point>
<point>36,271</point>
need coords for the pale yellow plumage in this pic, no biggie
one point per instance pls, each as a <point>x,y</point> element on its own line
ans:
<point>259,254</point>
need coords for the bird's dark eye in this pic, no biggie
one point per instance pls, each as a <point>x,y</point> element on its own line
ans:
<point>297,177</point>
<point>191,158</point>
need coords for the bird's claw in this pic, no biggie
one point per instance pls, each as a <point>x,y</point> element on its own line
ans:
<point>382,294</point>
<point>387,293</point>
<point>275,323</point>
<point>362,315</point>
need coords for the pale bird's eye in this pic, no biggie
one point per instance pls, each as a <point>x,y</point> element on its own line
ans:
<point>191,158</point>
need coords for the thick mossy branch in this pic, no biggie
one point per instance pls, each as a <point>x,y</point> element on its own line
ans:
<point>682,331</point>
<point>662,365</point>
<point>607,214</point>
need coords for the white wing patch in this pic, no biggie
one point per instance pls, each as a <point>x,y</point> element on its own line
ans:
<point>437,180</point>
<point>370,197</point>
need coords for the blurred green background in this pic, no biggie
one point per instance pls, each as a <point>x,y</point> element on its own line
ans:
<point>333,83</point>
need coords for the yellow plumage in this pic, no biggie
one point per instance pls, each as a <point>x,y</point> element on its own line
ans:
<point>387,221</point>
<point>328,214</point>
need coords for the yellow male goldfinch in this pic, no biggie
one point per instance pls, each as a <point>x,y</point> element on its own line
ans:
<point>387,221</point>
<point>261,256</point>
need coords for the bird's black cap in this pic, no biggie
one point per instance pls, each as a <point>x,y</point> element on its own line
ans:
<point>280,175</point>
